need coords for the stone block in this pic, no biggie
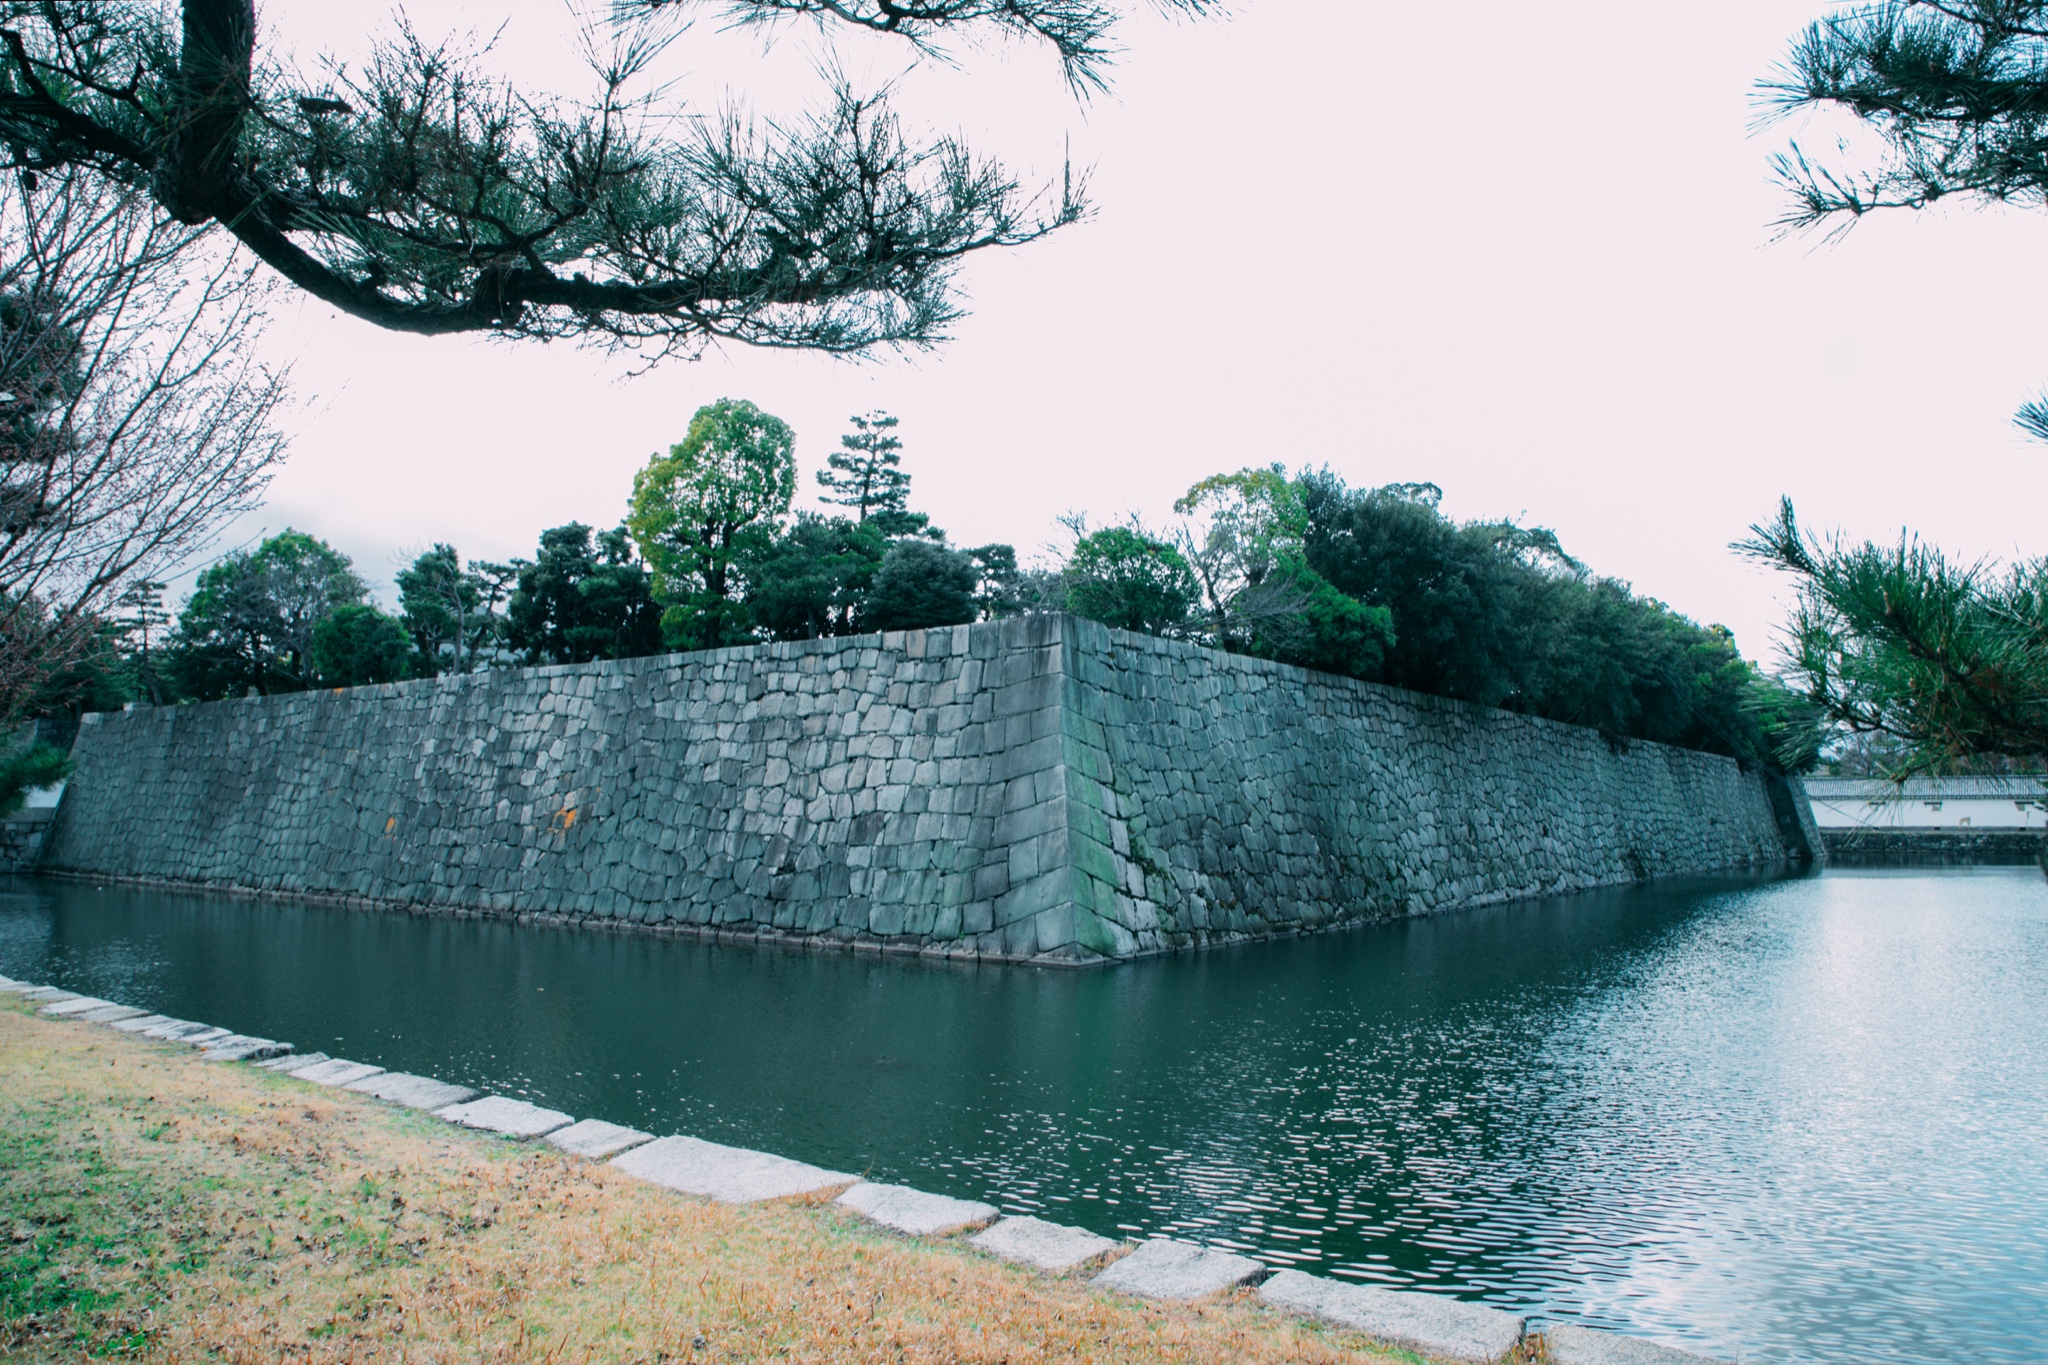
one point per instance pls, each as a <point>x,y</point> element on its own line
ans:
<point>1048,1246</point>
<point>142,1021</point>
<point>1433,1324</point>
<point>505,1116</point>
<point>731,1175</point>
<point>206,1035</point>
<point>414,1092</point>
<point>915,1213</point>
<point>293,1061</point>
<point>1041,893</point>
<point>172,1030</point>
<point>1570,1344</point>
<point>77,1004</point>
<point>46,994</point>
<point>111,1014</point>
<point>337,1071</point>
<point>1165,1268</point>
<point>597,1139</point>
<point>237,1047</point>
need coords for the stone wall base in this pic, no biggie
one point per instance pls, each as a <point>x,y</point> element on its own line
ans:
<point>1867,847</point>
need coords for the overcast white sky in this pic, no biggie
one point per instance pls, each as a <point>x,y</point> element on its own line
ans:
<point>1520,251</point>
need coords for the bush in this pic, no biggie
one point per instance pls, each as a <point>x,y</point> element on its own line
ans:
<point>26,766</point>
<point>921,584</point>
<point>1126,579</point>
<point>1324,629</point>
<point>355,645</point>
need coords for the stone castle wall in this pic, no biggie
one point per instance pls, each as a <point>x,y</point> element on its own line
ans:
<point>1035,789</point>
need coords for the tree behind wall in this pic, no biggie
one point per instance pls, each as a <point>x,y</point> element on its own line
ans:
<point>452,611</point>
<point>582,598</point>
<point>250,620</point>
<point>921,585</point>
<point>358,644</point>
<point>812,580</point>
<point>1125,578</point>
<point>704,509</point>
<point>865,476</point>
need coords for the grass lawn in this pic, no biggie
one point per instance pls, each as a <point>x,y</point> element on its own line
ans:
<point>157,1205</point>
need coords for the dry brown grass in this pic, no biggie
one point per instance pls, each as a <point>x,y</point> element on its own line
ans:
<point>171,1208</point>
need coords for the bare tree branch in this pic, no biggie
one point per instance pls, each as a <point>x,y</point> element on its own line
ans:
<point>133,419</point>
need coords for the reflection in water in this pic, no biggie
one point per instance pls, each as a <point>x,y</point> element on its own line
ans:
<point>1794,1120</point>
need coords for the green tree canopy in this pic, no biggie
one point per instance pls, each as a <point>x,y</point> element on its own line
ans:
<point>699,511</point>
<point>865,475</point>
<point>24,766</point>
<point>422,194</point>
<point>813,580</point>
<point>250,619</point>
<point>581,599</point>
<point>1254,519</point>
<point>1304,620</point>
<point>358,644</point>
<point>921,584</point>
<point>1124,578</point>
<point>447,607</point>
<point>1259,593</point>
<point>1378,584</point>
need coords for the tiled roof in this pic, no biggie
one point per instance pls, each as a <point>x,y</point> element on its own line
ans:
<point>2029,788</point>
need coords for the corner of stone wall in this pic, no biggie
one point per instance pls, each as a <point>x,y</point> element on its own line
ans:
<point>1092,933</point>
<point>1111,894</point>
<point>1793,810</point>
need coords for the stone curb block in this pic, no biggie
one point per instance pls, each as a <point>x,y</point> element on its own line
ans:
<point>336,1071</point>
<point>1165,1268</point>
<point>597,1139</point>
<point>142,1022</point>
<point>1572,1345</point>
<point>206,1035</point>
<point>173,1030</point>
<point>1048,1246</point>
<point>110,1014</point>
<point>238,1047</point>
<point>254,1050</point>
<point>915,1213</point>
<point>1429,1323</point>
<point>45,993</point>
<point>414,1092</point>
<point>505,1117</point>
<point>77,1004</point>
<point>293,1061</point>
<point>731,1175</point>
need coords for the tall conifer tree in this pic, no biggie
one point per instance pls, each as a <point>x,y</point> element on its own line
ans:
<point>866,475</point>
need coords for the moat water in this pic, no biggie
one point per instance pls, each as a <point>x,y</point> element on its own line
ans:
<point>1795,1120</point>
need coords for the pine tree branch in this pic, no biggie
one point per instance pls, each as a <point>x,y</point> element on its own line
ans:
<point>422,197</point>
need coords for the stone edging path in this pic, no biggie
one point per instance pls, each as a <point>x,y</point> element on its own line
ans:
<point>1158,1268</point>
